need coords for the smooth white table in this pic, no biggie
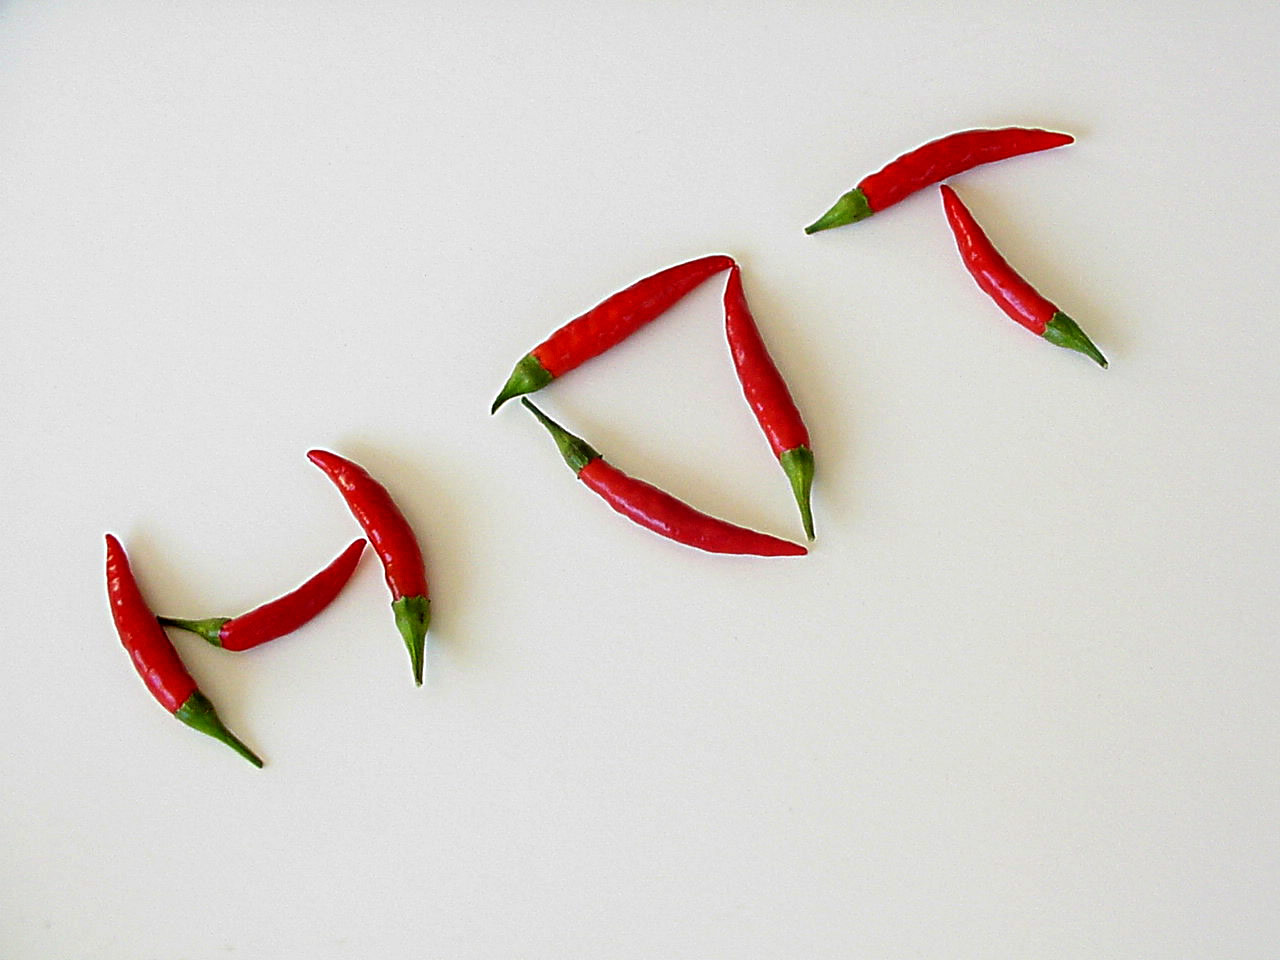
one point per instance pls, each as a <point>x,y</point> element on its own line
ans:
<point>1020,700</point>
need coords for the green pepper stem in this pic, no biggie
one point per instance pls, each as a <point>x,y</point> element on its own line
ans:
<point>577,452</point>
<point>528,376</point>
<point>798,464</point>
<point>210,629</point>
<point>413,616</point>
<point>850,208</point>
<point>1065,332</point>
<point>198,713</point>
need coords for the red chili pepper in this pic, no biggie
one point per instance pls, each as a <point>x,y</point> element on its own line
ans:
<point>606,325</point>
<point>396,545</point>
<point>1014,295</point>
<point>768,396</point>
<point>154,657</point>
<point>653,508</point>
<point>931,163</point>
<point>282,615</point>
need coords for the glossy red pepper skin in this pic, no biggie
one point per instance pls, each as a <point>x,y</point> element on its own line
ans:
<point>1011,292</point>
<point>932,163</point>
<point>674,519</point>
<point>607,325</point>
<point>656,509</point>
<point>281,616</point>
<point>394,542</point>
<point>768,396</point>
<point>154,657</point>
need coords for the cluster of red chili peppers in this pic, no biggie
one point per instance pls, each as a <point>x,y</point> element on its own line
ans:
<point>157,660</point>
<point>612,321</point>
<point>578,341</point>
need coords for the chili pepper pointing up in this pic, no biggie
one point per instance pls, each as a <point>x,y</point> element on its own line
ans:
<point>930,164</point>
<point>1002,284</point>
<point>282,615</point>
<point>650,507</point>
<point>395,543</point>
<point>154,657</point>
<point>768,396</point>
<point>606,325</point>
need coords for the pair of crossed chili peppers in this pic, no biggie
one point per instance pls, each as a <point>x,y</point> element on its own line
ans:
<point>578,341</point>
<point>157,660</point>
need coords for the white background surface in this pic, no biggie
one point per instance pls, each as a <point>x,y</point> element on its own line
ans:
<point>1020,701</point>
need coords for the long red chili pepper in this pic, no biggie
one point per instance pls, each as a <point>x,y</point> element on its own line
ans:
<point>154,657</point>
<point>1014,295</point>
<point>930,164</point>
<point>653,508</point>
<point>606,325</point>
<point>282,615</point>
<point>768,396</point>
<point>394,541</point>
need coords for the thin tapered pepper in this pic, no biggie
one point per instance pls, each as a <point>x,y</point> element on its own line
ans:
<point>154,657</point>
<point>933,163</point>
<point>768,396</point>
<point>606,325</point>
<point>650,507</point>
<point>394,541</point>
<point>282,615</point>
<point>1011,293</point>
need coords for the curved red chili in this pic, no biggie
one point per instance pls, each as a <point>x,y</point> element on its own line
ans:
<point>932,163</point>
<point>282,615</point>
<point>394,542</point>
<point>607,324</point>
<point>656,509</point>
<point>1011,293</point>
<point>768,396</point>
<point>155,658</point>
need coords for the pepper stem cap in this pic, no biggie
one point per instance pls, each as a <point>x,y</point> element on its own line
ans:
<point>798,464</point>
<point>210,629</point>
<point>577,452</point>
<point>198,713</point>
<point>413,616</point>
<point>850,208</point>
<point>528,376</point>
<point>1064,332</point>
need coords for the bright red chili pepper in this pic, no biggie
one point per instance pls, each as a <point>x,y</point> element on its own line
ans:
<point>607,324</point>
<point>155,658</point>
<point>768,396</point>
<point>282,615</point>
<point>650,507</point>
<point>394,541</point>
<point>930,164</point>
<point>1014,295</point>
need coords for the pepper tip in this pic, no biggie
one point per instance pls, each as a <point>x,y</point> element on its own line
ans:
<point>529,375</point>
<point>1062,331</point>
<point>797,463</point>
<point>413,617</point>
<point>850,208</point>
<point>252,757</point>
<point>198,713</point>
<point>577,453</point>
